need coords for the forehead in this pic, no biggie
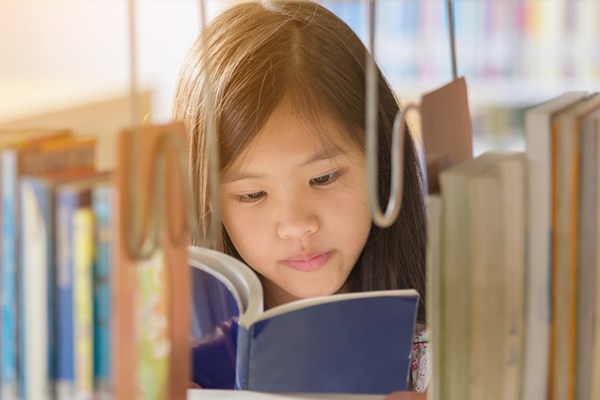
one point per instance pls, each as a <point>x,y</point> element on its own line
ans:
<point>289,133</point>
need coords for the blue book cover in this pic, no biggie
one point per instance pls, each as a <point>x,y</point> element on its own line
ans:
<point>66,203</point>
<point>102,200</point>
<point>8,276</point>
<point>344,343</point>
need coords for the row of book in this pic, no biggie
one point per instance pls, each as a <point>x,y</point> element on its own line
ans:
<point>85,314</point>
<point>495,39</point>
<point>513,263</point>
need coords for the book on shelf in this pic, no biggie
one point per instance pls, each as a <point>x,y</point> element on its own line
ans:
<point>565,202</point>
<point>71,306</point>
<point>103,270</point>
<point>587,261</point>
<point>496,202</point>
<point>80,305</point>
<point>512,179</point>
<point>11,142</point>
<point>26,168</point>
<point>433,291</point>
<point>518,233</point>
<point>344,343</point>
<point>83,246</point>
<point>477,245</point>
<point>538,125</point>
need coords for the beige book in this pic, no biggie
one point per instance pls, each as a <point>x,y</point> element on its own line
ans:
<point>456,277</point>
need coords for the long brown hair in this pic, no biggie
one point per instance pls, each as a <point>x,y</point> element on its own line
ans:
<point>257,53</point>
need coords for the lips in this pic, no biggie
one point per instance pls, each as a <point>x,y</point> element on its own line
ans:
<point>308,263</point>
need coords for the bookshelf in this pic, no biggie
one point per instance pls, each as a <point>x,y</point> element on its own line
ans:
<point>514,53</point>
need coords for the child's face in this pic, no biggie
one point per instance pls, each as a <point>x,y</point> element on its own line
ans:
<point>296,213</point>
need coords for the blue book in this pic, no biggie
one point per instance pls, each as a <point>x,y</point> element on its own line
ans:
<point>344,343</point>
<point>8,275</point>
<point>66,204</point>
<point>102,200</point>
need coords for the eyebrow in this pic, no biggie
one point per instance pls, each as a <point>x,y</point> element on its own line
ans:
<point>327,154</point>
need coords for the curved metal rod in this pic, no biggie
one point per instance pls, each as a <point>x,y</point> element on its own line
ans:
<point>137,246</point>
<point>381,219</point>
<point>392,210</point>
<point>191,212</point>
<point>143,246</point>
<point>142,243</point>
<point>450,12</point>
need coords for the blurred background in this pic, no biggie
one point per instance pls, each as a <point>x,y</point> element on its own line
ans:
<point>56,54</point>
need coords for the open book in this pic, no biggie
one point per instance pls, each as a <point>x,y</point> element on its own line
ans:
<point>345,343</point>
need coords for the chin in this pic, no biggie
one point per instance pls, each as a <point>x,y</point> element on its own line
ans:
<point>319,292</point>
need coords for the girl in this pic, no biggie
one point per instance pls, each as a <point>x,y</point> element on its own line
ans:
<point>287,81</point>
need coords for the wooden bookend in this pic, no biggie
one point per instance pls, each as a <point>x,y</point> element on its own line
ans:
<point>447,128</point>
<point>152,295</point>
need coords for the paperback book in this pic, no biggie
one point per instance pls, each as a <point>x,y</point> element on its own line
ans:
<point>344,343</point>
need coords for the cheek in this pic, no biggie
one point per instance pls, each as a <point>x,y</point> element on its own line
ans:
<point>241,224</point>
<point>349,216</point>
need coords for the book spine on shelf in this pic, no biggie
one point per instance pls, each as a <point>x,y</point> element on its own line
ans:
<point>83,246</point>
<point>8,276</point>
<point>36,291</point>
<point>66,204</point>
<point>101,204</point>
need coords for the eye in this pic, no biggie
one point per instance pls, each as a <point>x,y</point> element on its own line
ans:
<point>251,197</point>
<point>324,179</point>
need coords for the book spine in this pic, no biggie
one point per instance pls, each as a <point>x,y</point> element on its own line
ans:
<point>101,203</point>
<point>539,262</point>
<point>36,349</point>
<point>66,203</point>
<point>242,360</point>
<point>8,278</point>
<point>83,246</point>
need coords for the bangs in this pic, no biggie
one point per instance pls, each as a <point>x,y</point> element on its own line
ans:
<point>316,115</point>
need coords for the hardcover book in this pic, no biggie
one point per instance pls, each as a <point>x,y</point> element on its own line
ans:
<point>344,343</point>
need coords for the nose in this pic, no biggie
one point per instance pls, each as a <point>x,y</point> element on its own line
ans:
<point>297,218</point>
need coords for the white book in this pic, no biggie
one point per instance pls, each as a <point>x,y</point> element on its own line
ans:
<point>34,286</point>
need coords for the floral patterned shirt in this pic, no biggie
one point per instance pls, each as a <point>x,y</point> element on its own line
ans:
<point>420,367</point>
